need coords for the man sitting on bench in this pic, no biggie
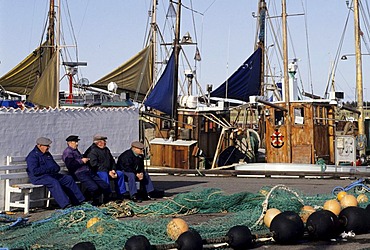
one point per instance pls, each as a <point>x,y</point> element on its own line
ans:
<point>80,170</point>
<point>131,162</point>
<point>43,170</point>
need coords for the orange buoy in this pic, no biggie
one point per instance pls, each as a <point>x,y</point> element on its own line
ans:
<point>92,221</point>
<point>270,214</point>
<point>341,194</point>
<point>305,212</point>
<point>332,205</point>
<point>176,227</point>
<point>362,198</point>
<point>348,201</point>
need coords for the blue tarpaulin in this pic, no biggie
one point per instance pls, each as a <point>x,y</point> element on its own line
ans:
<point>245,82</point>
<point>161,96</point>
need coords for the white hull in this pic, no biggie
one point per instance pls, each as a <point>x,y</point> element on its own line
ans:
<point>296,167</point>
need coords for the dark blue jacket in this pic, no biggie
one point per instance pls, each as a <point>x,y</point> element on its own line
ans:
<point>73,160</point>
<point>101,159</point>
<point>129,162</point>
<point>39,164</point>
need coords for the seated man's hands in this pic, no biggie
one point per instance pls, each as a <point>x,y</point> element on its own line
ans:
<point>84,160</point>
<point>113,174</point>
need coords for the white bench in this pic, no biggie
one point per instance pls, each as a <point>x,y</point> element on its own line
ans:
<point>17,182</point>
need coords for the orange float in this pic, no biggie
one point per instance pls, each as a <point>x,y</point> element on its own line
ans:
<point>333,205</point>
<point>305,212</point>
<point>362,198</point>
<point>348,201</point>
<point>92,221</point>
<point>176,227</point>
<point>270,214</point>
<point>341,194</point>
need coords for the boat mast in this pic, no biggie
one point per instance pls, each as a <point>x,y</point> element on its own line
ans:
<point>154,38</point>
<point>51,27</point>
<point>261,40</point>
<point>57,48</point>
<point>286,81</point>
<point>176,70</point>
<point>261,44</point>
<point>359,84</point>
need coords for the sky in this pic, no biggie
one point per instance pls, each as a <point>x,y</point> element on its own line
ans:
<point>110,32</point>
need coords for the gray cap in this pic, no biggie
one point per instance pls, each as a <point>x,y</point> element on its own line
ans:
<point>43,141</point>
<point>99,137</point>
<point>137,144</point>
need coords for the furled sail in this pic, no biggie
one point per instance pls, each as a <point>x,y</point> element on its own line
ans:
<point>134,76</point>
<point>161,96</point>
<point>45,92</point>
<point>243,83</point>
<point>23,77</point>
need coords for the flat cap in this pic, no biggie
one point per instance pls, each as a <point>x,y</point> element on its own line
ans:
<point>137,144</point>
<point>43,141</point>
<point>99,137</point>
<point>72,138</point>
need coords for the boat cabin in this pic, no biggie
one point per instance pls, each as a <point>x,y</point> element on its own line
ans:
<point>312,132</point>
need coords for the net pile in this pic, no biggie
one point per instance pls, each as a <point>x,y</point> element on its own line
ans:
<point>65,228</point>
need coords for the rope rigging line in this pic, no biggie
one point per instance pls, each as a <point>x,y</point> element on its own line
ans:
<point>265,202</point>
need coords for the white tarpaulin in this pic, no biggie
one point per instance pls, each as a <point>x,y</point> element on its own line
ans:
<point>20,129</point>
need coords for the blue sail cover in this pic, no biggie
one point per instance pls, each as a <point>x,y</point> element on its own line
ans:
<point>161,96</point>
<point>245,82</point>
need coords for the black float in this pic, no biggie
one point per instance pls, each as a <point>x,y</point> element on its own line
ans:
<point>354,219</point>
<point>137,242</point>
<point>287,228</point>
<point>323,225</point>
<point>189,240</point>
<point>240,237</point>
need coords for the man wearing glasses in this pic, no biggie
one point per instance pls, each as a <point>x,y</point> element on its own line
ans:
<point>43,170</point>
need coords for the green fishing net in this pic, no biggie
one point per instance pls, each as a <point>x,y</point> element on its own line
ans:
<point>116,222</point>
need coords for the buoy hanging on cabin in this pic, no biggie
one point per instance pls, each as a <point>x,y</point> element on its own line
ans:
<point>348,201</point>
<point>355,219</point>
<point>287,227</point>
<point>305,212</point>
<point>189,240</point>
<point>333,206</point>
<point>240,238</point>
<point>176,227</point>
<point>137,242</point>
<point>323,225</point>
<point>269,215</point>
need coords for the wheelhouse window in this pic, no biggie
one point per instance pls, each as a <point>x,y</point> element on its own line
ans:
<point>299,116</point>
<point>279,117</point>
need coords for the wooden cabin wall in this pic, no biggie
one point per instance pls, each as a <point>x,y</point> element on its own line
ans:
<point>310,137</point>
<point>279,152</point>
<point>324,133</point>
<point>173,156</point>
<point>205,131</point>
<point>192,126</point>
<point>302,133</point>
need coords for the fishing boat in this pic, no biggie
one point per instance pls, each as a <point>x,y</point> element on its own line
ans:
<point>188,127</point>
<point>300,132</point>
